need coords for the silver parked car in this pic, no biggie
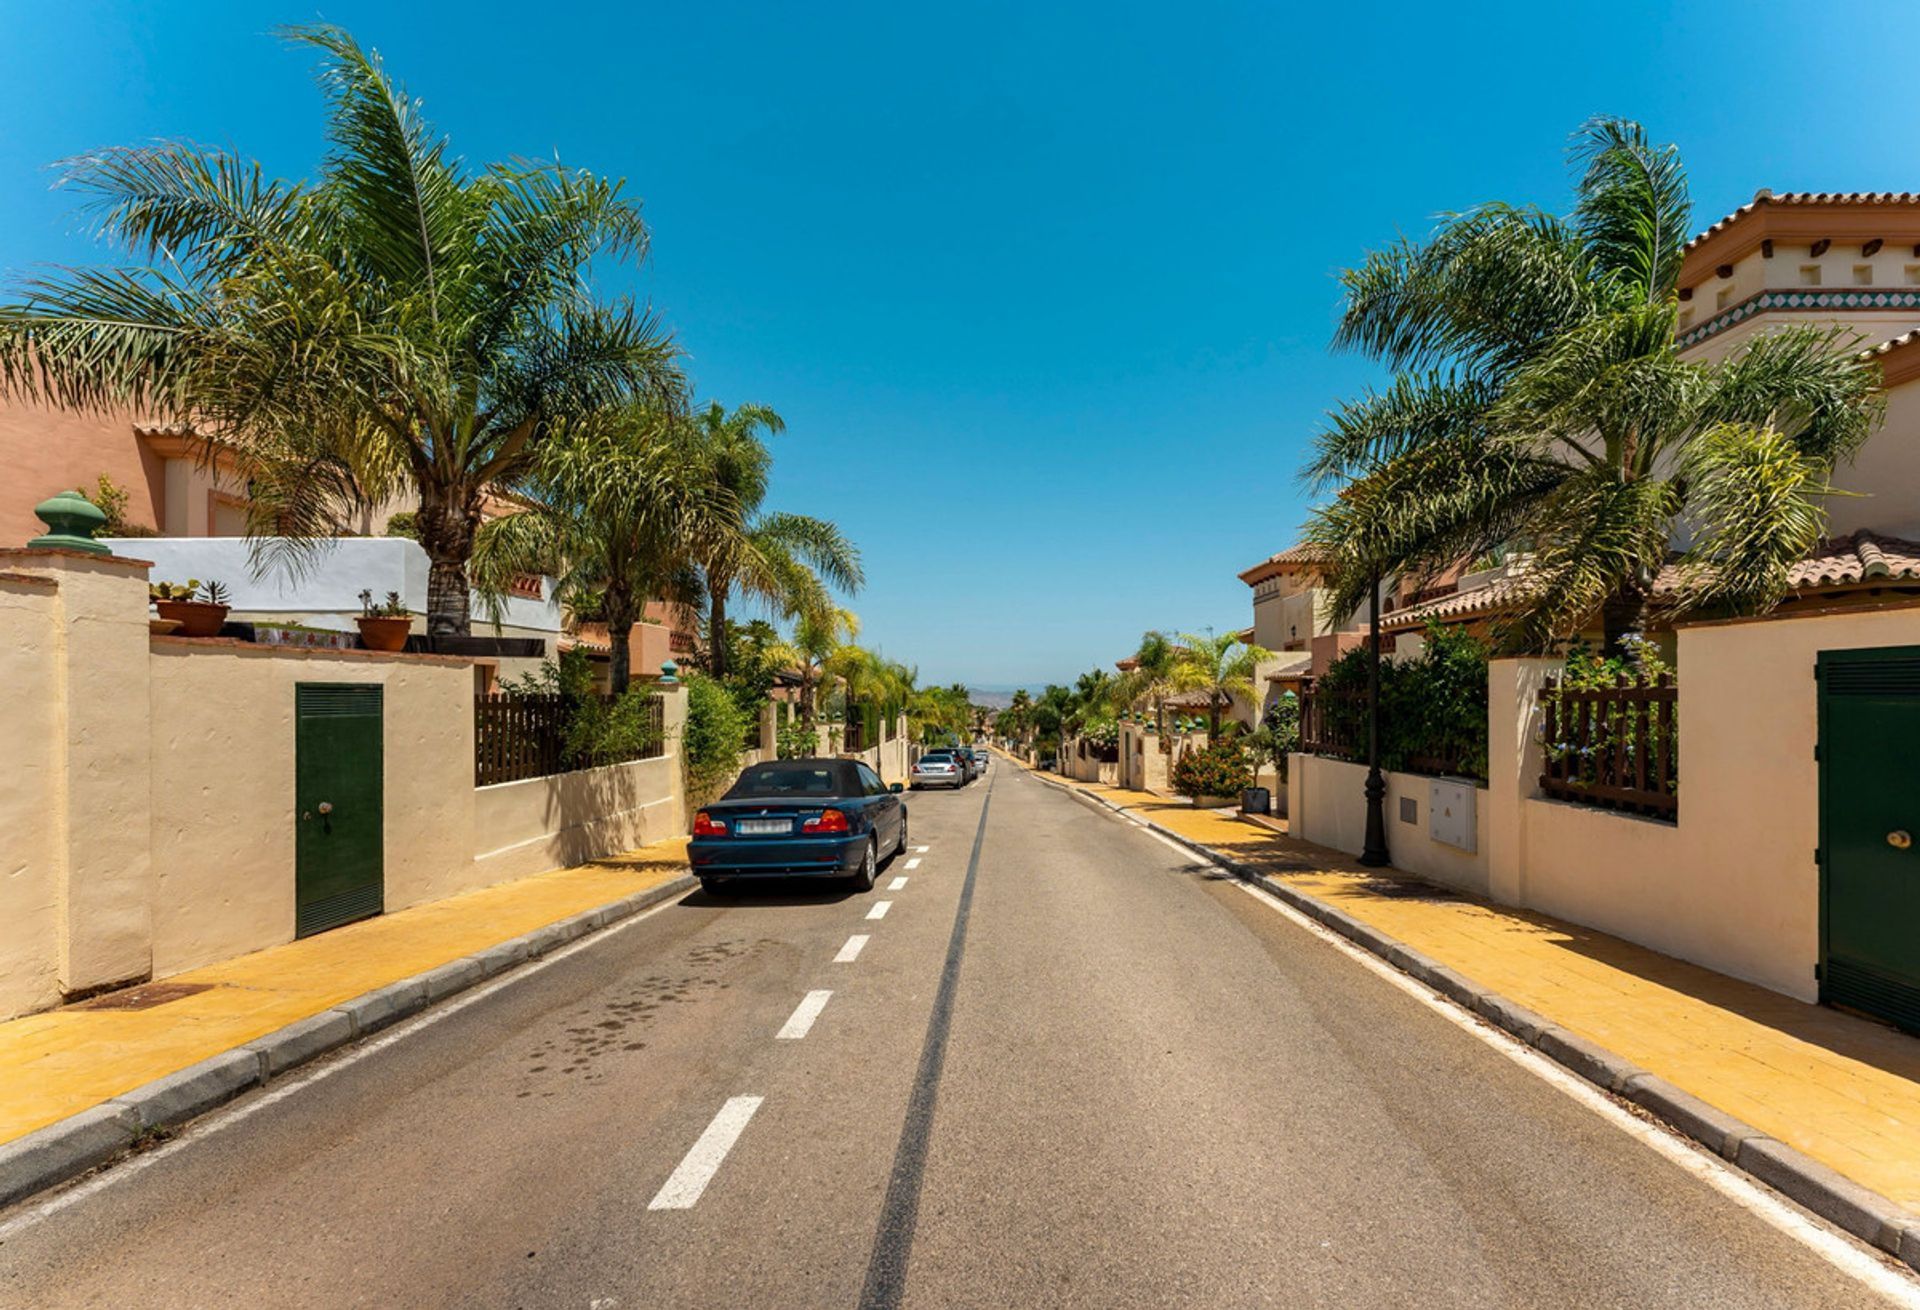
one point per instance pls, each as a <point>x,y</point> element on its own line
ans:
<point>938,769</point>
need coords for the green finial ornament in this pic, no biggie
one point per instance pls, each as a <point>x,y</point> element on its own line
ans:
<point>71,521</point>
<point>669,672</point>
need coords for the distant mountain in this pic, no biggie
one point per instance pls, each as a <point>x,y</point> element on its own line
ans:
<point>998,698</point>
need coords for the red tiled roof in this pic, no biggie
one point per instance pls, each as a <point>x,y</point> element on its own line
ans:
<point>1293,557</point>
<point>1859,557</point>
<point>1764,197</point>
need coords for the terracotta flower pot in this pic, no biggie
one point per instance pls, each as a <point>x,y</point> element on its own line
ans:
<point>388,632</point>
<point>196,617</point>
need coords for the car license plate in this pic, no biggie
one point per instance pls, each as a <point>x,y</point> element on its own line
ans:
<point>762,827</point>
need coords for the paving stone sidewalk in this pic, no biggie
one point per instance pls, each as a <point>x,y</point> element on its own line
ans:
<point>1842,1090</point>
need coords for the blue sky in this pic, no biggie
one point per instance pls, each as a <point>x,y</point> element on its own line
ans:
<point>1043,292</point>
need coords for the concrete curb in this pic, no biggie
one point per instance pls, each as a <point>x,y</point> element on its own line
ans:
<point>1842,1202</point>
<point>95,1136</point>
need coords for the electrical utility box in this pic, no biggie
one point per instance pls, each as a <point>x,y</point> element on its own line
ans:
<point>1451,816</point>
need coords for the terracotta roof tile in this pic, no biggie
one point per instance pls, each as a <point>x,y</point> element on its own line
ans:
<point>1294,556</point>
<point>1856,558</point>
<point>1764,197</point>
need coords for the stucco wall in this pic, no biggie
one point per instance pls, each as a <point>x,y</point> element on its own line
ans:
<point>223,789</point>
<point>28,785</point>
<point>50,450</point>
<point>1327,804</point>
<point>1733,884</point>
<point>543,823</point>
<point>148,804</point>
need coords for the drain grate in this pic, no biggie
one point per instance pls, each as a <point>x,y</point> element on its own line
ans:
<point>144,997</point>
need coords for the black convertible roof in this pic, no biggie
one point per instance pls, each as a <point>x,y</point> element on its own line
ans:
<point>788,777</point>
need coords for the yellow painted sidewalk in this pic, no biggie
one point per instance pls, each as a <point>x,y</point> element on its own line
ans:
<point>63,1061</point>
<point>1843,1090</point>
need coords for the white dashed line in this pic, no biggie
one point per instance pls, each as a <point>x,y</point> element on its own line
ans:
<point>851,951</point>
<point>686,1183</point>
<point>801,1021</point>
<point>879,910</point>
<point>913,864</point>
<point>923,849</point>
<point>896,884</point>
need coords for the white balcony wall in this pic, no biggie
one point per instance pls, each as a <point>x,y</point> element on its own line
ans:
<point>324,590</point>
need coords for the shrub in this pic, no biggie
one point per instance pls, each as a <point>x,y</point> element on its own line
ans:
<point>795,740</point>
<point>1220,768</point>
<point>1433,707</point>
<point>710,745</point>
<point>1278,735</point>
<point>601,731</point>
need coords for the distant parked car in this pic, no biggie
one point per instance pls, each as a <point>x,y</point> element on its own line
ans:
<point>938,769</point>
<point>813,818</point>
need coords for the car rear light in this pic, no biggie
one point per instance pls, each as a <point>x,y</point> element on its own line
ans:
<point>826,821</point>
<point>705,825</point>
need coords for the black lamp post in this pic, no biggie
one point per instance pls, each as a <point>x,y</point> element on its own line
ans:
<point>1374,853</point>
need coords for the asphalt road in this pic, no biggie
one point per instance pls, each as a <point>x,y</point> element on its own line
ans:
<point>1090,1073</point>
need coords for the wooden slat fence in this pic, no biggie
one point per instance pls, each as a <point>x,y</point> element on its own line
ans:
<point>520,737</point>
<point>1335,724</point>
<point>1613,746</point>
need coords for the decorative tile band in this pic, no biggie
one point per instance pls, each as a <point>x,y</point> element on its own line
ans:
<point>1809,299</point>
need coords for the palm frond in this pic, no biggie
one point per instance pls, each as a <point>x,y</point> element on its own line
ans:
<point>1412,411</point>
<point>1634,207</point>
<point>1756,503</point>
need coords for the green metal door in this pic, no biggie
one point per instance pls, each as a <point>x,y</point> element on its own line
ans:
<point>339,846</point>
<point>1869,830</point>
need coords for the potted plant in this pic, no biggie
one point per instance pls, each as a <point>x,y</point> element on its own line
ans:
<point>199,608</point>
<point>384,626</point>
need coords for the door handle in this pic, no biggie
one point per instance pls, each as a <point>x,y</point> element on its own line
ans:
<point>1900,839</point>
<point>325,807</point>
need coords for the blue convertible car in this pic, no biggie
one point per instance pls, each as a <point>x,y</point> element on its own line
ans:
<point>799,818</point>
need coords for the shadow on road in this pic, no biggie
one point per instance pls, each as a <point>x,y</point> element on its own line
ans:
<point>770,895</point>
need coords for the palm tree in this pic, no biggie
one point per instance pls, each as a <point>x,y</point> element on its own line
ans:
<point>811,646</point>
<point>1222,667</point>
<point>781,558</point>
<point>1540,404</point>
<point>1150,680</point>
<point>400,325</point>
<point>614,501</point>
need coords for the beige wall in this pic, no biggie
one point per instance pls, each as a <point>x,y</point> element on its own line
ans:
<point>542,823</point>
<point>223,789</point>
<point>1732,884</point>
<point>1327,804</point>
<point>1883,481</point>
<point>29,784</point>
<point>147,805</point>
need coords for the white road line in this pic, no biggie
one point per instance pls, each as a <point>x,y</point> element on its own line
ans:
<point>851,951</point>
<point>897,884</point>
<point>914,863</point>
<point>227,1116</point>
<point>879,910</point>
<point>923,849</point>
<point>801,1021</point>
<point>684,1185</point>
<point>1839,1249</point>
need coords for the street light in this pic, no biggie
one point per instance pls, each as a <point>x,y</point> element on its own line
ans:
<point>1373,853</point>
